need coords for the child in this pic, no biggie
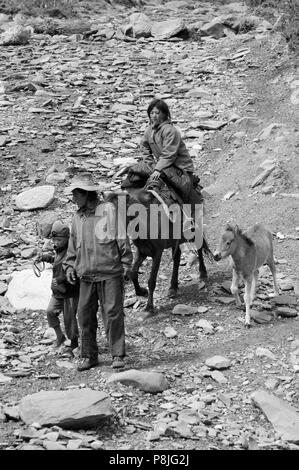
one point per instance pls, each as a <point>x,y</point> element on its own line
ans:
<point>65,296</point>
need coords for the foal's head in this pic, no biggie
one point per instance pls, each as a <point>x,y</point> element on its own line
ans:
<point>230,240</point>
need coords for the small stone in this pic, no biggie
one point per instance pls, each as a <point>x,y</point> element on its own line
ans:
<point>97,445</point>
<point>218,377</point>
<point>285,300</point>
<point>50,445</point>
<point>182,309</point>
<point>170,332</point>
<point>226,300</point>
<point>286,312</point>
<point>263,352</point>
<point>202,309</point>
<point>218,362</point>
<point>260,317</point>
<point>271,384</point>
<point>205,325</point>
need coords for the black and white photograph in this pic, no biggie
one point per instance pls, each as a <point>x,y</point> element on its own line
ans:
<point>149,228</point>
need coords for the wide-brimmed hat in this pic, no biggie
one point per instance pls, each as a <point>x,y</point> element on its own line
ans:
<point>84,181</point>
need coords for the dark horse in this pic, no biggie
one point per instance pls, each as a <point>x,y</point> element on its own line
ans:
<point>148,246</point>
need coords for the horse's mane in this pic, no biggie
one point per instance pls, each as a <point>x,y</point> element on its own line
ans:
<point>237,231</point>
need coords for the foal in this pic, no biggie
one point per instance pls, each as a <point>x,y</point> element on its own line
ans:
<point>248,252</point>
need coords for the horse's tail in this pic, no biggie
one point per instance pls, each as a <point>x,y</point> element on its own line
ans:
<point>206,249</point>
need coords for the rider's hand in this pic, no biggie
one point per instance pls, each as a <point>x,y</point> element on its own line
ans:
<point>155,176</point>
<point>71,275</point>
<point>127,273</point>
<point>39,258</point>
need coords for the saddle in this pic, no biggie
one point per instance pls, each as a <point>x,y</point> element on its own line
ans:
<point>174,185</point>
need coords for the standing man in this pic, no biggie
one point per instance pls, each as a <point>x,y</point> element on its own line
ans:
<point>100,259</point>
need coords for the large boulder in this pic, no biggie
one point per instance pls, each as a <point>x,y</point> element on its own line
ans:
<point>151,382</point>
<point>26,291</point>
<point>69,409</point>
<point>15,36</point>
<point>283,417</point>
<point>215,28</point>
<point>35,198</point>
<point>141,25</point>
<point>167,29</point>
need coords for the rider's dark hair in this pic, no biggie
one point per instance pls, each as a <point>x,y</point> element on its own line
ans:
<point>161,105</point>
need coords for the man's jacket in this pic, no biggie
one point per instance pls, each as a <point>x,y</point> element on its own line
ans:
<point>164,147</point>
<point>97,250</point>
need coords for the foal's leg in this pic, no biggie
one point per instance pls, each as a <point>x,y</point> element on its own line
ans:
<point>248,287</point>
<point>235,288</point>
<point>176,258</point>
<point>134,274</point>
<point>152,284</point>
<point>272,267</point>
<point>203,275</point>
<point>253,286</point>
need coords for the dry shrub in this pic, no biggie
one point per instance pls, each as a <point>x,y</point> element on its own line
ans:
<point>283,13</point>
<point>42,8</point>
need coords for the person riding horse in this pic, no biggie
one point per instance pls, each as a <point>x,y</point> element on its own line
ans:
<point>163,149</point>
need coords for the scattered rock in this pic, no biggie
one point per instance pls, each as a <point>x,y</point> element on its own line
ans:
<point>286,312</point>
<point>141,25</point>
<point>150,382</point>
<point>182,309</point>
<point>15,36</point>
<point>170,332</point>
<point>283,417</point>
<point>215,28</point>
<point>71,409</point>
<point>35,198</point>
<point>218,362</point>
<point>167,29</point>
<point>285,300</point>
<point>262,177</point>
<point>263,352</point>
<point>218,377</point>
<point>260,317</point>
<point>205,325</point>
<point>55,178</point>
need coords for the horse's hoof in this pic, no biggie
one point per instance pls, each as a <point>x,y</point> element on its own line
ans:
<point>172,293</point>
<point>142,292</point>
<point>150,314</point>
<point>203,276</point>
<point>247,325</point>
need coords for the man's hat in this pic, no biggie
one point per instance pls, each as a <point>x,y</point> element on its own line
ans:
<point>59,229</point>
<point>84,181</point>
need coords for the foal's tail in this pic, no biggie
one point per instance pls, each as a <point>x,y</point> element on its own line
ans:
<point>206,250</point>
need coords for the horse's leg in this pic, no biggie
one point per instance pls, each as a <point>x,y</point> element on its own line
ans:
<point>235,288</point>
<point>203,275</point>
<point>152,284</point>
<point>248,286</point>
<point>253,286</point>
<point>272,267</point>
<point>134,274</point>
<point>176,257</point>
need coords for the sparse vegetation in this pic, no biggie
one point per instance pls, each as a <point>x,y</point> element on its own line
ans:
<point>51,8</point>
<point>283,13</point>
